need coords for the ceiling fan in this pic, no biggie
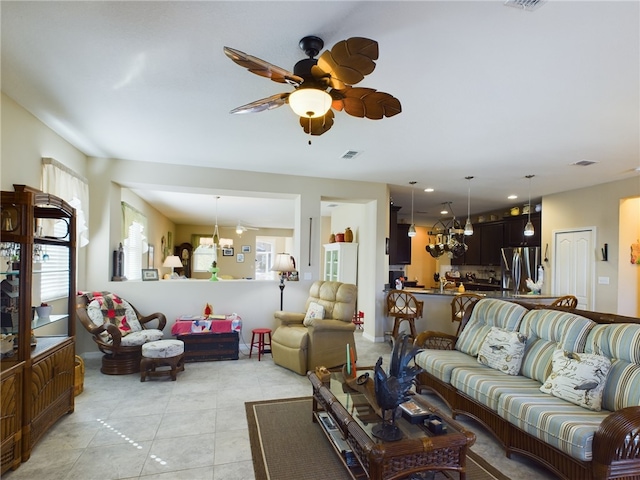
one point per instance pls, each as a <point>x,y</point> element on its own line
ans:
<point>323,83</point>
<point>240,229</point>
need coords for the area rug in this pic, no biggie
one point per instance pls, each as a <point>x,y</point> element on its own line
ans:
<point>286,444</point>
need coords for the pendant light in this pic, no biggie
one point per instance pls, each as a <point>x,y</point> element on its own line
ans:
<point>528,228</point>
<point>468,227</point>
<point>216,237</point>
<point>412,228</point>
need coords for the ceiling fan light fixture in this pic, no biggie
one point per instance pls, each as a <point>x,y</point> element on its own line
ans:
<point>310,102</point>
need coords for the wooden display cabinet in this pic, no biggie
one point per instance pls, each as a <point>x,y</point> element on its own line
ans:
<point>37,377</point>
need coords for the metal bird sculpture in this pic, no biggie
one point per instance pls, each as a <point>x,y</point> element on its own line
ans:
<point>393,389</point>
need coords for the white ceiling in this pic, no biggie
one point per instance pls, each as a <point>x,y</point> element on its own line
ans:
<point>486,90</point>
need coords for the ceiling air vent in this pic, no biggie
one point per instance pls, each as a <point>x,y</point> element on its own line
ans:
<point>349,154</point>
<point>584,163</point>
<point>529,5</point>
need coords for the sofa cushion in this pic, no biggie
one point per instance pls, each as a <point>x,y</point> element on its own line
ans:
<point>440,363</point>
<point>547,330</point>
<point>578,378</point>
<point>314,311</point>
<point>502,350</point>
<point>338,299</point>
<point>486,385</point>
<point>555,421</point>
<point>141,337</point>
<point>487,313</point>
<point>618,342</point>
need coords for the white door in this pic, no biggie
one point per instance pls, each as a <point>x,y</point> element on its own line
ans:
<point>573,265</point>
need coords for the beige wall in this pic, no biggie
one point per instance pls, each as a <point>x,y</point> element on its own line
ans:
<point>598,207</point>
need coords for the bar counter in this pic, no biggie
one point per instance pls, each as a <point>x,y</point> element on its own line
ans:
<point>437,306</point>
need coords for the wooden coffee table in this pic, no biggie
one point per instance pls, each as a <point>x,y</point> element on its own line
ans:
<point>347,418</point>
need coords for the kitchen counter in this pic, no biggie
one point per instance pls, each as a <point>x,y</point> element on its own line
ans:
<point>437,306</point>
<point>449,292</point>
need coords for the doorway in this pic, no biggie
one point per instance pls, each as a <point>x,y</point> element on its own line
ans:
<point>574,264</point>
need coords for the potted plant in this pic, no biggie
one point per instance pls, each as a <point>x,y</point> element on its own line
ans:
<point>44,310</point>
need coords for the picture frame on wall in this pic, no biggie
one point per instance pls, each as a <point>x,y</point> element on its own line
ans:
<point>246,248</point>
<point>227,252</point>
<point>240,258</point>
<point>150,275</point>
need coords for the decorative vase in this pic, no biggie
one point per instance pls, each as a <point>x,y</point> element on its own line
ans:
<point>339,237</point>
<point>348,235</point>
<point>332,238</point>
<point>214,274</point>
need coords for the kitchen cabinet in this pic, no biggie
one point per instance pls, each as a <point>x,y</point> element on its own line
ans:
<point>483,247</point>
<point>514,231</point>
<point>37,377</point>
<point>399,239</point>
<point>341,262</point>
<point>491,243</point>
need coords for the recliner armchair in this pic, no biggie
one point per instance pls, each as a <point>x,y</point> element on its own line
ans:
<point>301,345</point>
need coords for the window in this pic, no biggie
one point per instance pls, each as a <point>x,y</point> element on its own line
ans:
<point>204,254</point>
<point>54,279</point>
<point>264,260</point>
<point>134,242</point>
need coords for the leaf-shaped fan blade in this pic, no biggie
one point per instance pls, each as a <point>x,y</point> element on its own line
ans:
<point>263,68</point>
<point>349,60</point>
<point>269,103</point>
<point>318,125</point>
<point>369,103</point>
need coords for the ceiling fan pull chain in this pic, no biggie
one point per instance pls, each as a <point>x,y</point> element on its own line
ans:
<point>309,130</point>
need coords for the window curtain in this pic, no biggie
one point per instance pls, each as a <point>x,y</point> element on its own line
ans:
<point>61,181</point>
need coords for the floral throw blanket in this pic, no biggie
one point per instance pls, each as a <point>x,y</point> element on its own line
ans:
<point>113,309</point>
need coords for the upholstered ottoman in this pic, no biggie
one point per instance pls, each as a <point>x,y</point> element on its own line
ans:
<point>161,353</point>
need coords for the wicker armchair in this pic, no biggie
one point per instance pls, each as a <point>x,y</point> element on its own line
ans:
<point>122,351</point>
<point>568,301</point>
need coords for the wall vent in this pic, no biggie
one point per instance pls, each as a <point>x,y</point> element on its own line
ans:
<point>528,5</point>
<point>584,163</point>
<point>349,154</point>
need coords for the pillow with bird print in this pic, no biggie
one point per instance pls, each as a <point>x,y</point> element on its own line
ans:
<point>578,378</point>
<point>503,350</point>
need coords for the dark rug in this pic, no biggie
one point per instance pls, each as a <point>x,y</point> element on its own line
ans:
<point>285,444</point>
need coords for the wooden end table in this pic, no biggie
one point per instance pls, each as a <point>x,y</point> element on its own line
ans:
<point>347,418</point>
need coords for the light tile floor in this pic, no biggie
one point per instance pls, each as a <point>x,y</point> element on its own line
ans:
<point>192,429</point>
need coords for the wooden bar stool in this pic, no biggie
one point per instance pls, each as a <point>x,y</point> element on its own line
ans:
<point>261,343</point>
<point>403,306</point>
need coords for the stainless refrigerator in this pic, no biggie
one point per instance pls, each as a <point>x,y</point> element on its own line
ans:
<point>518,264</point>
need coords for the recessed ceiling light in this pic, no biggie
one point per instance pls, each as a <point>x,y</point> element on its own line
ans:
<point>429,190</point>
<point>512,197</point>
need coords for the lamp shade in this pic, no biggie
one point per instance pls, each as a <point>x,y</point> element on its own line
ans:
<point>172,261</point>
<point>284,263</point>
<point>310,102</point>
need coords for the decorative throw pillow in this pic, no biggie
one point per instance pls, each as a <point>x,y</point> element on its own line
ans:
<point>503,350</point>
<point>113,309</point>
<point>315,310</point>
<point>578,378</point>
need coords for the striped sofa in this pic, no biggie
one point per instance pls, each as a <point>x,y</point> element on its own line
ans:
<point>574,442</point>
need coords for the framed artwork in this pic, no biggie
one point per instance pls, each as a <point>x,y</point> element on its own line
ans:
<point>246,248</point>
<point>227,252</point>
<point>150,257</point>
<point>150,274</point>
<point>240,258</point>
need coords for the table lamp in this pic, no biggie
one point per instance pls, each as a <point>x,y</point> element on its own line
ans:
<point>172,261</point>
<point>284,263</point>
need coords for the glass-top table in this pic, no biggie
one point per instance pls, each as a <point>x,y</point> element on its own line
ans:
<point>348,414</point>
